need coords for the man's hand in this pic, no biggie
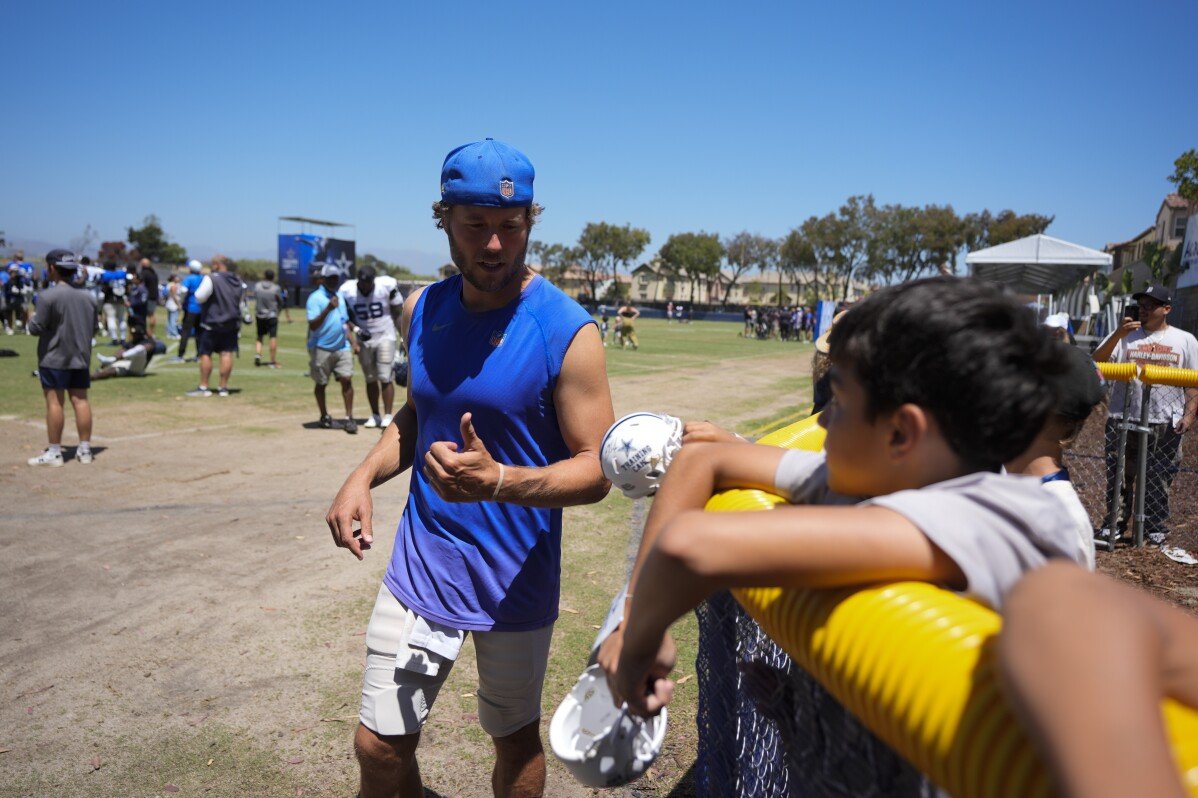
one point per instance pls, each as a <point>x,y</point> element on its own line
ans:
<point>465,474</point>
<point>1128,325</point>
<point>1183,424</point>
<point>641,679</point>
<point>334,300</point>
<point>352,502</point>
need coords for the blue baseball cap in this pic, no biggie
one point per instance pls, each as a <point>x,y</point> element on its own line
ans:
<point>488,173</point>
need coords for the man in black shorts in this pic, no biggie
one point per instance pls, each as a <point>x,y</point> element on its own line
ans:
<point>219,296</point>
<point>268,299</point>
<point>65,318</point>
<point>149,278</point>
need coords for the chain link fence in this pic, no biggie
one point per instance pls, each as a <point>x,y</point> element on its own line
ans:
<point>767,728</point>
<point>1136,475</point>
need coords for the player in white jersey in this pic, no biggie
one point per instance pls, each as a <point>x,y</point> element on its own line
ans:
<point>374,305</point>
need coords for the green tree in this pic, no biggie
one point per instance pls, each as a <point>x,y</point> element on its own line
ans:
<point>841,243</point>
<point>604,248</point>
<point>150,241</point>
<point>1164,264</point>
<point>696,256</point>
<point>747,251</point>
<point>1185,177</point>
<point>555,260</point>
<point>910,242</point>
<point>796,257</point>
<point>987,230</point>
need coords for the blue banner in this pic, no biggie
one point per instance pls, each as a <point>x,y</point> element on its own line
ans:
<point>824,311</point>
<point>340,253</point>
<point>297,252</point>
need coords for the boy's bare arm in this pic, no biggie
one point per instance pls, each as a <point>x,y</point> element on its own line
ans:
<point>699,553</point>
<point>698,472</point>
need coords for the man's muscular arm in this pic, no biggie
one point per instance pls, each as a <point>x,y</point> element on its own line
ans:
<point>584,411</point>
<point>392,455</point>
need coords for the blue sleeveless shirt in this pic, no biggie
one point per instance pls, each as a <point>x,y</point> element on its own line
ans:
<point>485,565</point>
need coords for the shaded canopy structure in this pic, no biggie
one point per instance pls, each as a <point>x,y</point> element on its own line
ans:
<point>1037,264</point>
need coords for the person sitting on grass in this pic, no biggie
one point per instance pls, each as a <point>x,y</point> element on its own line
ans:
<point>925,409</point>
<point>132,358</point>
<point>1079,389</point>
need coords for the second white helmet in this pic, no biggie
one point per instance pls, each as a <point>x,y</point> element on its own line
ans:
<point>637,450</point>
<point>600,744</point>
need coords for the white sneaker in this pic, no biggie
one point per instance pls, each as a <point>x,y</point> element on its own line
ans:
<point>106,360</point>
<point>386,422</point>
<point>46,458</point>
<point>372,422</point>
<point>199,392</point>
<point>83,456</point>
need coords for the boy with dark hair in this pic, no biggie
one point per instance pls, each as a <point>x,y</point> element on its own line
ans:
<point>935,384</point>
<point>1079,389</point>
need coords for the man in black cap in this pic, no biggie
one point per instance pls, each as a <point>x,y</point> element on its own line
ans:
<point>65,319</point>
<point>1150,341</point>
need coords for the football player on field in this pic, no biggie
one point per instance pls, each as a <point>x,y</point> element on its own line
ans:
<point>375,303</point>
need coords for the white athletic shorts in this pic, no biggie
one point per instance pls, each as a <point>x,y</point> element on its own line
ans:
<point>377,358</point>
<point>511,673</point>
<point>326,362</point>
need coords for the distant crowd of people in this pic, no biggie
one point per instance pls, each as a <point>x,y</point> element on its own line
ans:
<point>795,323</point>
<point>77,302</point>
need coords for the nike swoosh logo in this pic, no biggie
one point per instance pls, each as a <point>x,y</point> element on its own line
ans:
<point>439,327</point>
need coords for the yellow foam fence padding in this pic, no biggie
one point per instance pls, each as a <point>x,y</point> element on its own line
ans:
<point>915,663</point>
<point>1160,375</point>
<point>1121,372</point>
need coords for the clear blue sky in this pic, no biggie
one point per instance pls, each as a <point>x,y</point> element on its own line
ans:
<point>220,117</point>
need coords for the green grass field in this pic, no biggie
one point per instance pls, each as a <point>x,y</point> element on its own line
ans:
<point>699,366</point>
<point>665,348</point>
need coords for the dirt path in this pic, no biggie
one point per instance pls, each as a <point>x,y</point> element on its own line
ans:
<point>186,582</point>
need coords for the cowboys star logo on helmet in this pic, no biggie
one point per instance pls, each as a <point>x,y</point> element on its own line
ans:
<point>600,744</point>
<point>637,450</point>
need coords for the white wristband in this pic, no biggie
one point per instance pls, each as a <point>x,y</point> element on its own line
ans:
<point>499,484</point>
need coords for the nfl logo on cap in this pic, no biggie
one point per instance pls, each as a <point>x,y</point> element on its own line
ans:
<point>487,173</point>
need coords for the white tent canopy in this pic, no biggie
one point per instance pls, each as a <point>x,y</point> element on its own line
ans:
<point>1037,264</point>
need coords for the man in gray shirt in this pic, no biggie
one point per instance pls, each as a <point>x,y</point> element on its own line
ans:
<point>268,299</point>
<point>65,319</point>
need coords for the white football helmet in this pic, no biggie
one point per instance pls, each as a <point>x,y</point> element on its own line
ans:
<point>602,745</point>
<point>637,450</point>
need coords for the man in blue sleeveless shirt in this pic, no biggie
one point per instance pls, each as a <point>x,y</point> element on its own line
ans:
<point>507,404</point>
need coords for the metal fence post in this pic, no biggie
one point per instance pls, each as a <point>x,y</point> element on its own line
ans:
<point>1112,521</point>
<point>1141,468</point>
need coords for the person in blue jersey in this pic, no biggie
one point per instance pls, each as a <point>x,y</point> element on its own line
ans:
<point>507,405</point>
<point>330,341</point>
<point>191,308</point>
